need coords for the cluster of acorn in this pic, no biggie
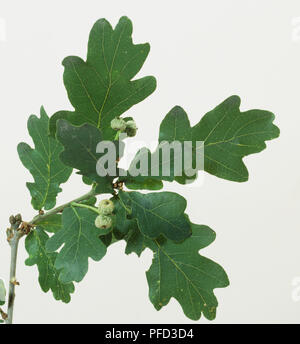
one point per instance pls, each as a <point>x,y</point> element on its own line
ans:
<point>121,125</point>
<point>104,219</point>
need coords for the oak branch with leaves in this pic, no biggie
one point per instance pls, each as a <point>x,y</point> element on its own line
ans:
<point>60,240</point>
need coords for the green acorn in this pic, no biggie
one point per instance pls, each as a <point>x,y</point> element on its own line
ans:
<point>103,221</point>
<point>131,128</point>
<point>118,124</point>
<point>106,207</point>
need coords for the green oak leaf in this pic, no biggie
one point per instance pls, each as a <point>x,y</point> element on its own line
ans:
<point>102,88</point>
<point>228,136</point>
<point>45,261</point>
<point>43,163</point>
<point>179,271</point>
<point>158,213</point>
<point>80,152</point>
<point>80,238</point>
<point>2,293</point>
<point>51,223</point>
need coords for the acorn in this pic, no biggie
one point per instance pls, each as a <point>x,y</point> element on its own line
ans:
<point>131,128</point>
<point>103,221</point>
<point>118,124</point>
<point>106,207</point>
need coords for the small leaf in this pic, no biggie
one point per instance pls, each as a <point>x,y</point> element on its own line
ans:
<point>48,274</point>
<point>81,241</point>
<point>101,89</point>
<point>2,293</point>
<point>43,163</point>
<point>179,271</point>
<point>158,213</point>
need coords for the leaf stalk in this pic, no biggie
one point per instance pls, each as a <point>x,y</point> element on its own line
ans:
<point>80,205</point>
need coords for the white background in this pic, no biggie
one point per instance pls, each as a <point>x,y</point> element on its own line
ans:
<point>201,53</point>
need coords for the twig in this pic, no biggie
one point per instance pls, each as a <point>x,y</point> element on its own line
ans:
<point>17,230</point>
<point>56,210</point>
<point>14,235</point>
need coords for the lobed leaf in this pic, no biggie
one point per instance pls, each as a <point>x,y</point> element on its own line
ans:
<point>80,238</point>
<point>228,135</point>
<point>43,163</point>
<point>179,271</point>
<point>102,88</point>
<point>45,261</point>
